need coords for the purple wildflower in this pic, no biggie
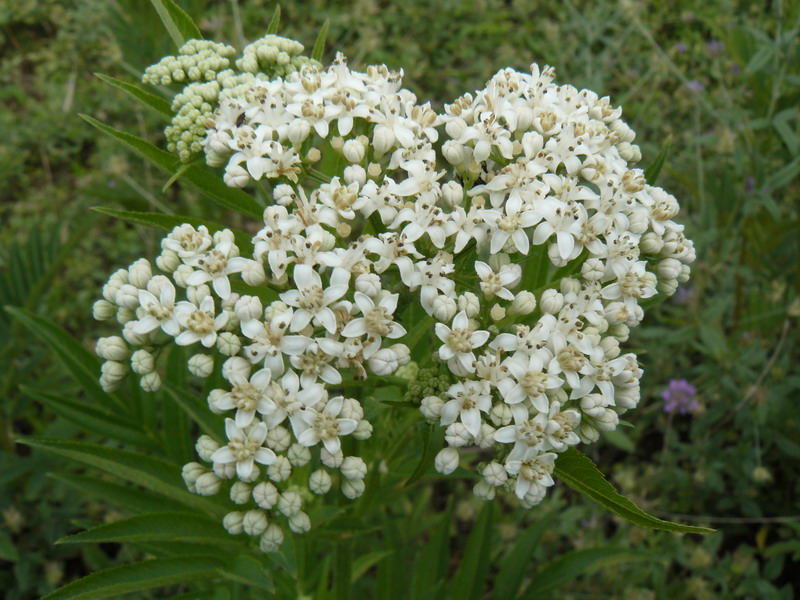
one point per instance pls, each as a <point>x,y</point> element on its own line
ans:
<point>715,47</point>
<point>695,85</point>
<point>680,396</point>
<point>681,47</point>
<point>684,295</point>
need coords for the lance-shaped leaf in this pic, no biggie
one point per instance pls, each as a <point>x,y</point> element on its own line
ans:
<point>197,410</point>
<point>151,101</point>
<point>150,472</point>
<point>81,363</point>
<point>654,169</point>
<point>579,472</point>
<point>275,21</point>
<point>146,575</point>
<point>169,222</point>
<point>197,176</point>
<point>127,497</point>
<point>515,564</point>
<point>470,578</point>
<point>157,526</point>
<point>319,45</point>
<point>179,25</point>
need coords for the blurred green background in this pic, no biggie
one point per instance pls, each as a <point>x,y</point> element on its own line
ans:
<point>717,80</point>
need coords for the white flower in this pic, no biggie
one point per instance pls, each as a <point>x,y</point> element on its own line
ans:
<point>460,341</point>
<point>469,399</point>
<point>244,448</point>
<point>376,322</point>
<point>311,301</point>
<point>496,284</point>
<point>532,472</point>
<point>198,322</point>
<point>248,396</point>
<point>325,426</point>
<point>215,266</point>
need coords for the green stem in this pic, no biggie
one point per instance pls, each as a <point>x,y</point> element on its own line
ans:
<point>343,569</point>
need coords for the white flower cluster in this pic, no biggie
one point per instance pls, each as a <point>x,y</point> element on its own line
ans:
<point>204,69</point>
<point>531,253</point>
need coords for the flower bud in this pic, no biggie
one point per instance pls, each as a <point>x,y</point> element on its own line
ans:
<point>495,474</point>
<point>369,284</point>
<point>208,484</point>
<point>232,522</point>
<point>444,308</point>
<point>446,461</point>
<point>103,310</point>
<point>570,286</point>
<point>353,488</point>
<point>168,261</point>
<point>332,461</point>
<point>382,139</point>
<point>469,303</point>
<point>248,308</point>
<point>279,438</point>
<point>501,414</point>
<point>651,243</point>
<point>191,471</point>
<point>457,435</point>
<point>271,539</point>
<point>593,269</point>
<point>353,467</point>
<point>669,269</point>
<point>455,127</point>
<point>351,409</point>
<point>551,301</point>
<point>280,470</point>
<point>383,362</point>
<point>142,362</point>
<point>320,482</point>
<point>355,174</point>
<point>353,151</point>
<point>484,490</point>
<point>431,407</point>
<point>139,273</point>
<point>363,430</point>
<point>299,522</point>
<point>236,367</point>
<point>298,131</point>
<point>240,493</point>
<point>150,382</point>
<point>455,153</point>
<point>452,194</point>
<point>127,296</point>
<point>227,470</point>
<point>229,343</point>
<point>125,315</point>
<point>113,372</point>
<point>253,273</point>
<point>298,455</point>
<point>290,503</point>
<point>201,365</point>
<point>112,348</point>
<point>402,353</point>
<point>254,522</point>
<point>265,495</point>
<point>524,303</point>
<point>497,313</point>
<point>205,447</point>
<point>236,176</point>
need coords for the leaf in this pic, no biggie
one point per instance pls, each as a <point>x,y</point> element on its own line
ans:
<point>365,562</point>
<point>431,444</point>
<point>652,172</point>
<point>155,103</point>
<point>83,366</point>
<point>248,571</point>
<point>157,526</point>
<point>515,563</point>
<point>179,25</point>
<point>199,177</point>
<point>197,411</point>
<point>570,566</point>
<point>275,21</point>
<point>89,418</point>
<point>150,472</point>
<point>470,578</point>
<point>139,576</point>
<point>8,551</point>
<point>169,222</point>
<point>579,472</point>
<point>431,567</point>
<point>319,44</point>
<point>125,496</point>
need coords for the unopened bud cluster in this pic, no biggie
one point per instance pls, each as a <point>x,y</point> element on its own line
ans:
<point>513,222</point>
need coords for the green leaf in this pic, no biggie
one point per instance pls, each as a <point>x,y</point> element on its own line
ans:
<point>573,564</point>
<point>365,562</point>
<point>652,172</point>
<point>138,576</point>
<point>125,496</point>
<point>198,411</point>
<point>169,222</point>
<point>248,571</point>
<point>92,419</point>
<point>81,363</point>
<point>8,551</point>
<point>579,472</point>
<point>156,103</point>
<point>198,177</point>
<point>430,568</point>
<point>319,44</point>
<point>470,578</point>
<point>275,21</point>
<point>516,562</point>
<point>150,472</point>
<point>179,25</point>
<point>431,444</point>
<point>157,526</point>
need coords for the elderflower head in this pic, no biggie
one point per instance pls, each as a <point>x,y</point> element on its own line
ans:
<point>528,253</point>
